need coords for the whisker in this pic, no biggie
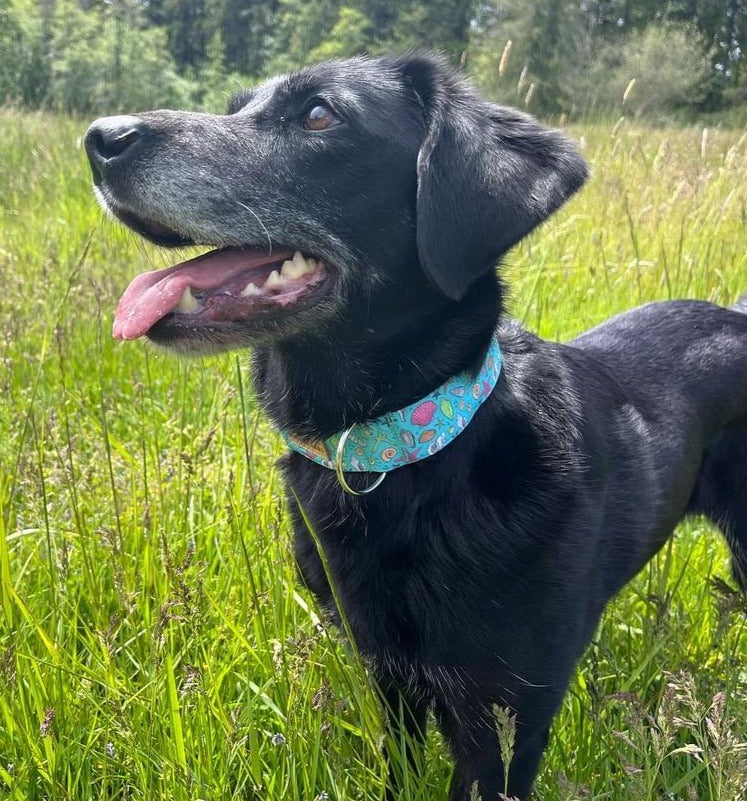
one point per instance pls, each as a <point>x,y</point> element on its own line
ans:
<point>264,227</point>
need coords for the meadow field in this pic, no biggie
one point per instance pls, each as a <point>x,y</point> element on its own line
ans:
<point>154,641</point>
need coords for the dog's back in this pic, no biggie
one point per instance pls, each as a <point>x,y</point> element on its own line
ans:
<point>687,363</point>
<point>688,355</point>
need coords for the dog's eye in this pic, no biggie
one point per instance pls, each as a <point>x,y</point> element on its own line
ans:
<point>319,118</point>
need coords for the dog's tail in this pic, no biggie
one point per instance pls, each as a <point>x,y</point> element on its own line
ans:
<point>741,304</point>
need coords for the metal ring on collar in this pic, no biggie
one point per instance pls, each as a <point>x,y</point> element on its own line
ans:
<point>341,475</point>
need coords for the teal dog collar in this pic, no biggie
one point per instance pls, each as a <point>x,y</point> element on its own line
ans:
<point>410,434</point>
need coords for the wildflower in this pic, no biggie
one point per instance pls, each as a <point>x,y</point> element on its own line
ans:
<point>45,729</point>
<point>192,680</point>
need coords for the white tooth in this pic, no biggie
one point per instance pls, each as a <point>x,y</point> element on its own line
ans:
<point>290,270</point>
<point>274,279</point>
<point>300,262</point>
<point>251,289</point>
<point>297,267</point>
<point>187,302</point>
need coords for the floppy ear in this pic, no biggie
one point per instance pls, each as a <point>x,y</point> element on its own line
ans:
<point>487,175</point>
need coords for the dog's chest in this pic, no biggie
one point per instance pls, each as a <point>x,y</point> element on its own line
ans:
<point>407,571</point>
<point>375,568</point>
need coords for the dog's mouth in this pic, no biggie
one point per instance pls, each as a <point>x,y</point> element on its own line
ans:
<point>219,289</point>
<point>215,291</point>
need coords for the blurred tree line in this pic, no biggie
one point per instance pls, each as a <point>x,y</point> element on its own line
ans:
<point>579,57</point>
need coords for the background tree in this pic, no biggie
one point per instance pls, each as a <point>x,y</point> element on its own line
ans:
<point>189,26</point>
<point>352,33</point>
<point>11,52</point>
<point>297,28</point>
<point>566,56</point>
<point>554,35</point>
<point>441,25</point>
<point>244,31</point>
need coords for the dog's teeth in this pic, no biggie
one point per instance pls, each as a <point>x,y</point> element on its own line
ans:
<point>290,271</point>
<point>251,289</point>
<point>187,302</point>
<point>297,267</point>
<point>274,279</point>
<point>300,262</point>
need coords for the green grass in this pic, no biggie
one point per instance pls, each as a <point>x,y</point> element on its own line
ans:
<point>154,643</point>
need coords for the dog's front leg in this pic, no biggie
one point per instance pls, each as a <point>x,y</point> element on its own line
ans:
<point>405,709</point>
<point>473,738</point>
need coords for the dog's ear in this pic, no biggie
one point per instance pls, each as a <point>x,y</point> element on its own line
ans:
<point>487,175</point>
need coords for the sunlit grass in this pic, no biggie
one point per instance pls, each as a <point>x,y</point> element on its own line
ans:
<point>154,642</point>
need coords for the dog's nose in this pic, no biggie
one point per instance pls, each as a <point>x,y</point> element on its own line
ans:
<point>111,140</point>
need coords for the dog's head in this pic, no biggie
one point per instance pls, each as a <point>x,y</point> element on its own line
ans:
<point>348,187</point>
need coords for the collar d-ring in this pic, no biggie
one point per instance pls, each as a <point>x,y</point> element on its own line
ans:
<point>341,475</point>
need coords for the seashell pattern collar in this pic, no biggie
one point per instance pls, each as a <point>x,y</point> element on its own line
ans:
<point>410,434</point>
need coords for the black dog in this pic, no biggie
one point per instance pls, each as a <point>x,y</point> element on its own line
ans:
<point>476,576</point>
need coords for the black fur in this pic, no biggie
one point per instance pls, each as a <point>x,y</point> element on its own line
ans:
<point>477,576</point>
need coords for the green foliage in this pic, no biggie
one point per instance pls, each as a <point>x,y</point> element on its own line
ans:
<point>441,25</point>
<point>11,57</point>
<point>553,49</point>
<point>103,66</point>
<point>549,51</point>
<point>154,642</point>
<point>669,65</point>
<point>189,27</point>
<point>501,28</point>
<point>567,57</point>
<point>244,30</point>
<point>299,27</point>
<point>350,35</point>
<point>100,59</point>
<point>580,59</point>
<point>32,23</point>
<point>214,86</point>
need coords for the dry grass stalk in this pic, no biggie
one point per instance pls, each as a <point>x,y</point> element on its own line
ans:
<point>504,58</point>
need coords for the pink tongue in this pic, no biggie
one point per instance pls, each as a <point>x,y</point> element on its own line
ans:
<point>151,296</point>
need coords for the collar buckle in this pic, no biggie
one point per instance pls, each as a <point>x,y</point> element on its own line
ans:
<point>339,471</point>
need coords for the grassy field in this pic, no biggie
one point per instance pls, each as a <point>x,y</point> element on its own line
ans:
<point>154,643</point>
